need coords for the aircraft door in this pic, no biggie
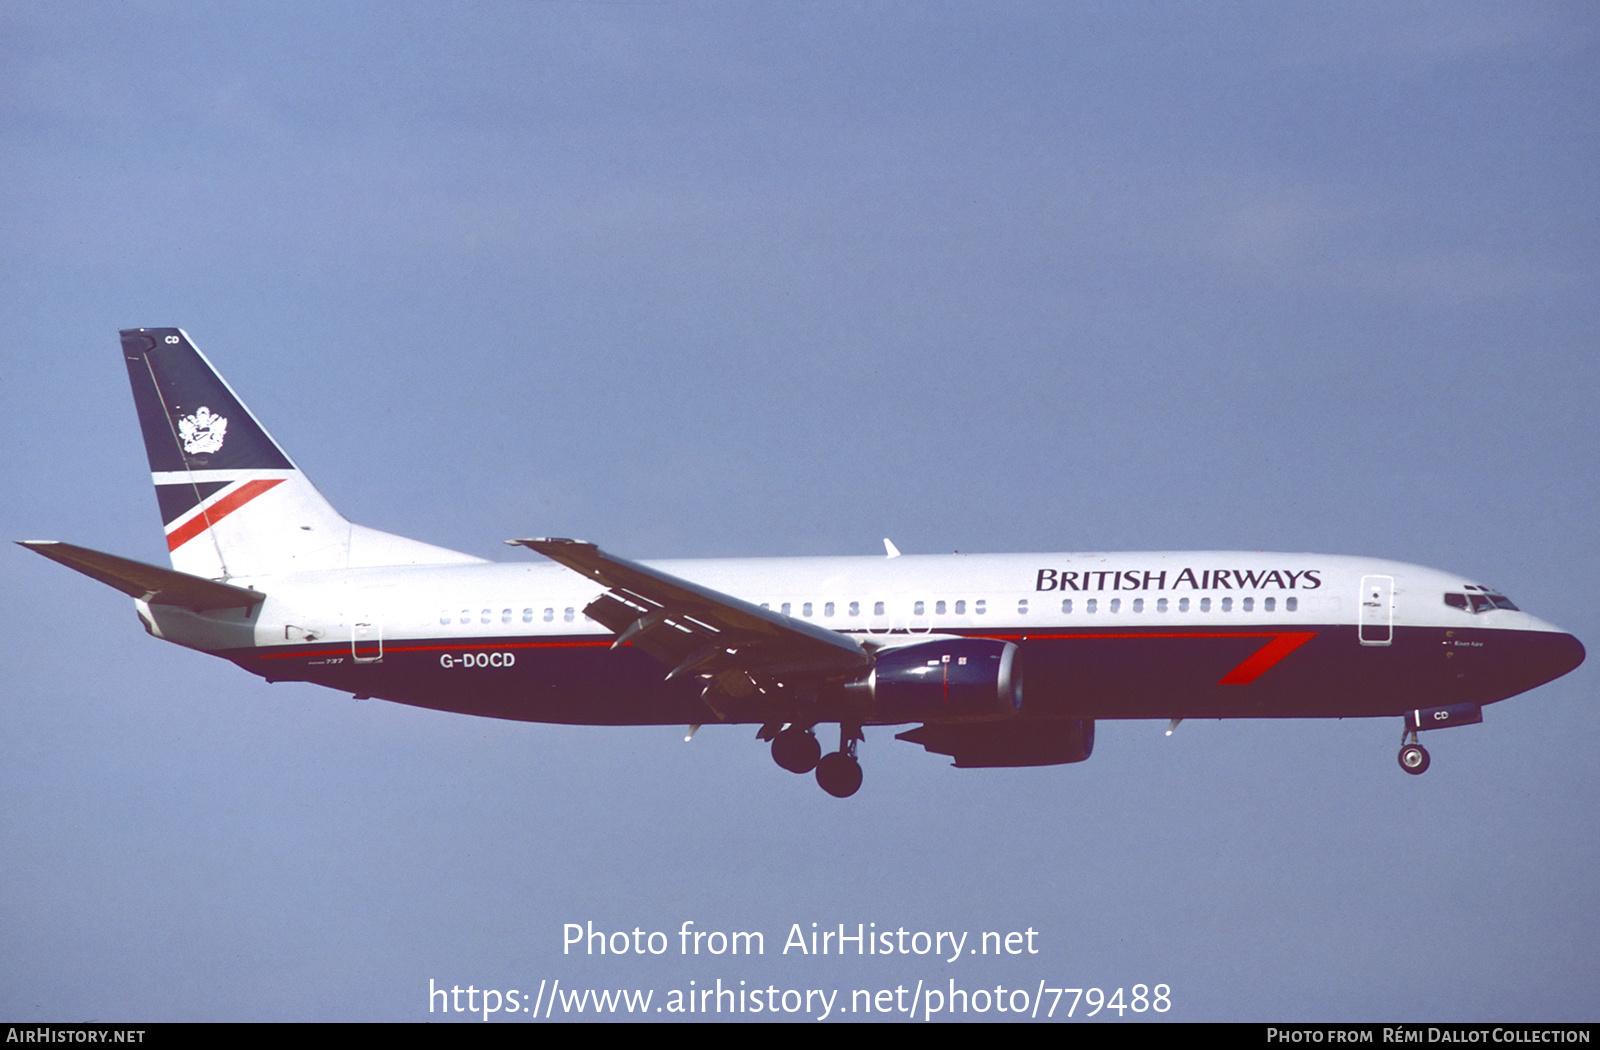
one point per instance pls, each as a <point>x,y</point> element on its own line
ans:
<point>1376,623</point>
<point>366,639</point>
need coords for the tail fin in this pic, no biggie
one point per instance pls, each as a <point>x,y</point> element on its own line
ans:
<point>232,502</point>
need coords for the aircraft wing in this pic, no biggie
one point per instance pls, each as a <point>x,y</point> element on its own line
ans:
<point>152,584</point>
<point>696,629</point>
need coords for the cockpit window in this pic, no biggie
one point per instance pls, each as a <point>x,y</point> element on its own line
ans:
<point>1479,599</point>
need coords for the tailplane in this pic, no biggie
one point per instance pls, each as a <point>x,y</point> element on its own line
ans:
<point>232,503</point>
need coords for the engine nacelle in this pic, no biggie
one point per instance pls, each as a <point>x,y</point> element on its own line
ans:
<point>945,680</point>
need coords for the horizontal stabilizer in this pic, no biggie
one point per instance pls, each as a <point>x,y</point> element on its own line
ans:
<point>147,582</point>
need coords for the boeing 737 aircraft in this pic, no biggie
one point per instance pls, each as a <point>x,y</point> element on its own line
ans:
<point>994,660</point>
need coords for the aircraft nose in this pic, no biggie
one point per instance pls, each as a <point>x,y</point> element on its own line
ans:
<point>1548,655</point>
<point>1565,655</point>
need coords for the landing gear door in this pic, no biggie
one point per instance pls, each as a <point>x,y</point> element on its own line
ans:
<point>1376,626</point>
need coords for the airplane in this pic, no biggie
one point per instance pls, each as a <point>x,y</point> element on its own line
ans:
<point>994,660</point>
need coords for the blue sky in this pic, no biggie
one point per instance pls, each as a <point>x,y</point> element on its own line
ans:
<point>720,279</point>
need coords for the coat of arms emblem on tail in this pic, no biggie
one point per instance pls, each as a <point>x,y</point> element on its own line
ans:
<point>202,433</point>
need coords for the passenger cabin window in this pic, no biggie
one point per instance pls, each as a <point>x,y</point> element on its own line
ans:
<point>527,616</point>
<point>916,609</point>
<point>466,615</point>
<point>1161,605</point>
<point>979,606</point>
<point>1116,605</point>
<point>1066,606</point>
<point>488,614</point>
<point>1091,606</point>
<point>877,608</point>
<point>1138,605</point>
<point>1249,604</point>
<point>938,608</point>
<point>1205,604</point>
<point>444,617</point>
<point>1269,604</point>
<point>961,608</point>
<point>1183,605</point>
<point>505,615</point>
<point>805,610</point>
<point>1227,605</point>
<point>855,608</point>
<point>1290,604</point>
<point>568,615</point>
<point>1022,607</point>
<point>784,608</point>
<point>549,614</point>
<point>827,609</point>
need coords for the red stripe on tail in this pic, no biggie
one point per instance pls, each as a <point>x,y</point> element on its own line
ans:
<point>209,516</point>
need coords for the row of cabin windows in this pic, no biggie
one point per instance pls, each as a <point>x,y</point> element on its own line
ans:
<point>1247,604</point>
<point>979,607</point>
<point>487,616</point>
<point>1090,605</point>
<point>918,608</point>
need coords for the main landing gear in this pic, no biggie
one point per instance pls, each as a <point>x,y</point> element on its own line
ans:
<point>839,774</point>
<point>796,749</point>
<point>1413,756</point>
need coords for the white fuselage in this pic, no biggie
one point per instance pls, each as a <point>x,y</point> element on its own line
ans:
<point>861,596</point>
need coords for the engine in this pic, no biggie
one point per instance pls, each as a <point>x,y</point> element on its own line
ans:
<point>944,680</point>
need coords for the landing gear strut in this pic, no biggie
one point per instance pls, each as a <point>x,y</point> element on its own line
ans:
<point>1413,756</point>
<point>839,773</point>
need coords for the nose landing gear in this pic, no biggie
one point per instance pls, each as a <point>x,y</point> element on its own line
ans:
<point>1414,759</point>
<point>1413,756</point>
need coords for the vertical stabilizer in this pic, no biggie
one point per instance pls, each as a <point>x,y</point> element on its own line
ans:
<point>232,503</point>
